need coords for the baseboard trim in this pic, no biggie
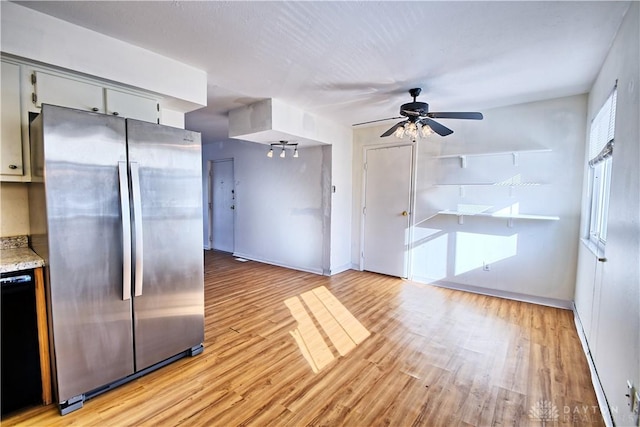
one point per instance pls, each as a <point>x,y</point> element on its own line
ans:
<point>595,379</point>
<point>278,264</point>
<point>340,269</point>
<point>550,302</point>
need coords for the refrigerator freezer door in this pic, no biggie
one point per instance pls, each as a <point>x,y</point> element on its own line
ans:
<point>169,313</point>
<point>92,324</point>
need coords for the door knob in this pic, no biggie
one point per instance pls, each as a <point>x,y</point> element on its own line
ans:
<point>405,213</point>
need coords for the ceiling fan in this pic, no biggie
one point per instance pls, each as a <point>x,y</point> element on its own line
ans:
<point>419,121</point>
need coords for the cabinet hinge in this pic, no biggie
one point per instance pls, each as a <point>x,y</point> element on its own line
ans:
<point>158,107</point>
<point>34,98</point>
<point>364,210</point>
<point>365,166</point>
<point>33,78</point>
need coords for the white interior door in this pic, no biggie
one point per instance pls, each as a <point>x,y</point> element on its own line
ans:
<point>386,211</point>
<point>222,205</point>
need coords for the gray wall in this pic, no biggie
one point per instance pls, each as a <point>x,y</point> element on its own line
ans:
<point>282,205</point>
<point>533,258</point>
<point>608,294</point>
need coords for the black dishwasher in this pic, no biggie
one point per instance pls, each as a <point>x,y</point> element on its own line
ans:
<point>21,383</point>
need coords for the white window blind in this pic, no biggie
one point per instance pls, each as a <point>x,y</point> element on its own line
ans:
<point>603,129</point>
<point>601,139</point>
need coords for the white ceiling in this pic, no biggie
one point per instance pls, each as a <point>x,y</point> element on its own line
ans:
<point>354,61</point>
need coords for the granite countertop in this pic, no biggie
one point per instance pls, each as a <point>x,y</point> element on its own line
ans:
<point>15,255</point>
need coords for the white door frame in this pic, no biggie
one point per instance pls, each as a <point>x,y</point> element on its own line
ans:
<point>209,205</point>
<point>412,200</point>
<point>210,164</point>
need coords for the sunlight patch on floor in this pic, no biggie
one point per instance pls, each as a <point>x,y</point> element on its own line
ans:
<point>344,331</point>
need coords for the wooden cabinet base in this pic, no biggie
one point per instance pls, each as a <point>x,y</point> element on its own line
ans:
<point>43,336</point>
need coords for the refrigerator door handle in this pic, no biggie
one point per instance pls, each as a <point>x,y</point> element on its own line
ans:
<point>137,223</point>
<point>126,231</point>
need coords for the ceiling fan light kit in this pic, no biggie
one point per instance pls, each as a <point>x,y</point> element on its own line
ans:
<point>419,122</point>
<point>413,131</point>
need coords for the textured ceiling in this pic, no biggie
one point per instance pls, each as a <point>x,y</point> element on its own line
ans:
<point>354,61</point>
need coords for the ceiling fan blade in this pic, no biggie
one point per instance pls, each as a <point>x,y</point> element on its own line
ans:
<point>379,120</point>
<point>437,127</point>
<point>393,128</point>
<point>458,115</point>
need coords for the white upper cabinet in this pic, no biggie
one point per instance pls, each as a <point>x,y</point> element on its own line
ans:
<point>70,92</point>
<point>131,106</point>
<point>11,142</point>
<point>57,90</point>
<point>26,86</point>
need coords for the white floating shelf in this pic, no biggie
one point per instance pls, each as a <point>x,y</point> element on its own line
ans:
<point>509,185</point>
<point>514,153</point>
<point>493,153</point>
<point>493,184</point>
<point>510,218</point>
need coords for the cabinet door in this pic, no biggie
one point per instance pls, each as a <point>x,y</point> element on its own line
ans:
<point>131,106</point>
<point>65,92</point>
<point>11,141</point>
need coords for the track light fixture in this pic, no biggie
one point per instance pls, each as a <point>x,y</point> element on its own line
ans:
<point>283,145</point>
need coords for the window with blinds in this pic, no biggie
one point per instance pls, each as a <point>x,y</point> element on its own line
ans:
<point>601,141</point>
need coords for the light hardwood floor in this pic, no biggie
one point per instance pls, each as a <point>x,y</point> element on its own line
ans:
<point>434,357</point>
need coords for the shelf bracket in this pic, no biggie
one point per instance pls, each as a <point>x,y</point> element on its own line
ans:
<point>462,191</point>
<point>515,159</point>
<point>510,223</point>
<point>463,161</point>
<point>460,219</point>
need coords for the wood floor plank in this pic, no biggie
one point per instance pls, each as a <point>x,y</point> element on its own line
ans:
<point>431,357</point>
<point>510,409</point>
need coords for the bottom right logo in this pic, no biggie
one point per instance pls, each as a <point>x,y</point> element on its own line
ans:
<point>544,410</point>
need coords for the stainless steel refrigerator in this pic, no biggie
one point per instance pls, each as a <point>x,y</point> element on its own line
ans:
<point>116,212</point>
